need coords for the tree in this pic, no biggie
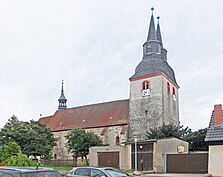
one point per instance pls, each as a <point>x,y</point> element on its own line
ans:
<point>196,140</point>
<point>13,156</point>
<point>79,142</point>
<point>33,138</point>
<point>41,141</point>
<point>1,151</point>
<point>168,130</point>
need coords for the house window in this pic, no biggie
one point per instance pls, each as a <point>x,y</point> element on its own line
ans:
<point>174,92</point>
<point>117,140</point>
<point>168,87</point>
<point>145,85</point>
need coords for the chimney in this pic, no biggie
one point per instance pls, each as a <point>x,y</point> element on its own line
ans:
<point>217,115</point>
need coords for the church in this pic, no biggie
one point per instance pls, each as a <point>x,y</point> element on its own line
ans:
<point>153,100</point>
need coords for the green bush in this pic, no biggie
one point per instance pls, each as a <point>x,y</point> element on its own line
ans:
<point>20,159</point>
<point>13,156</point>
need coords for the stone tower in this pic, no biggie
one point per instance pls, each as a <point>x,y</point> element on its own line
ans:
<point>62,101</point>
<point>153,88</point>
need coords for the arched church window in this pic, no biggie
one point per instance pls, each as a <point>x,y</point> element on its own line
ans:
<point>174,92</point>
<point>55,156</point>
<point>145,85</point>
<point>168,87</point>
<point>117,139</point>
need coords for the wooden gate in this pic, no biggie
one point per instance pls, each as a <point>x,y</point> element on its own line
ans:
<point>187,163</point>
<point>108,159</point>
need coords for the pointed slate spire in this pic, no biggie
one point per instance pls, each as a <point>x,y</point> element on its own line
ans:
<point>152,46</point>
<point>152,30</point>
<point>62,100</point>
<point>159,38</point>
<point>158,32</point>
<point>154,58</point>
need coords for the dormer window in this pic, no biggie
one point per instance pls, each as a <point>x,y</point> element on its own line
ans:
<point>168,87</point>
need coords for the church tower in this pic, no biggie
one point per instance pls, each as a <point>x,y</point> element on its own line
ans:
<point>153,88</point>
<point>62,101</point>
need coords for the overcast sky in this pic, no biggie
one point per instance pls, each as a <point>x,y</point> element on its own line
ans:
<point>95,45</point>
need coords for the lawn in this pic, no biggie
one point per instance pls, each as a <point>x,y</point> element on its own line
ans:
<point>65,167</point>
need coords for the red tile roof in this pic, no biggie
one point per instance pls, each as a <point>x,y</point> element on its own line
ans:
<point>89,116</point>
<point>44,120</point>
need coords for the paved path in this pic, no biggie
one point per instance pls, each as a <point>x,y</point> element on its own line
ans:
<point>172,175</point>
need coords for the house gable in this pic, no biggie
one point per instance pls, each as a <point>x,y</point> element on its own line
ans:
<point>215,130</point>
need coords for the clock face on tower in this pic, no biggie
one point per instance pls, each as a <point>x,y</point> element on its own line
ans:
<point>174,98</point>
<point>145,92</point>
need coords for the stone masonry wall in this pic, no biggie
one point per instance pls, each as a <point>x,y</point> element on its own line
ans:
<point>145,112</point>
<point>152,110</point>
<point>108,138</point>
<point>171,107</point>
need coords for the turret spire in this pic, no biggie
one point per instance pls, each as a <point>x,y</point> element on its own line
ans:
<point>152,31</point>
<point>158,32</point>
<point>62,100</point>
<point>159,38</point>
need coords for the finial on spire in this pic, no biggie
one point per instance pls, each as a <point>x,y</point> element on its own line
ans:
<point>152,10</point>
<point>62,86</point>
<point>158,18</point>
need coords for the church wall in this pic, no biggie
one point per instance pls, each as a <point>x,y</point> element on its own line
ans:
<point>110,134</point>
<point>59,151</point>
<point>145,111</point>
<point>171,107</point>
<point>109,137</point>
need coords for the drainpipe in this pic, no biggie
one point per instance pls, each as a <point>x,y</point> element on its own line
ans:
<point>165,161</point>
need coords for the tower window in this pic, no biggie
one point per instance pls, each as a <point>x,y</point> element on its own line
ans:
<point>168,87</point>
<point>145,85</point>
<point>174,92</point>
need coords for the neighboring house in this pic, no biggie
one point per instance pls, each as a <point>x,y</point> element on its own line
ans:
<point>153,101</point>
<point>214,137</point>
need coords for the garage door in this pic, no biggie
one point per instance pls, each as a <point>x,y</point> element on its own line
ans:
<point>187,163</point>
<point>108,159</point>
